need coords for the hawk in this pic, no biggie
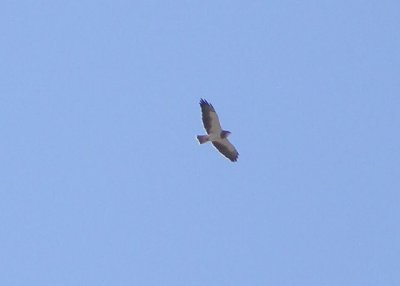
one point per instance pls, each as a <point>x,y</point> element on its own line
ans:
<point>215,134</point>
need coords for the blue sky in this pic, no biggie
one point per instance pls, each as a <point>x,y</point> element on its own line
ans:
<point>103,182</point>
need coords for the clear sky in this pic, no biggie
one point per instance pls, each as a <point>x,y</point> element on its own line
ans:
<point>102,179</point>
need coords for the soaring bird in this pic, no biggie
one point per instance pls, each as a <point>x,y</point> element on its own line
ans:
<point>215,134</point>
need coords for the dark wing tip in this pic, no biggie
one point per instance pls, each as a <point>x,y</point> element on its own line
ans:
<point>234,159</point>
<point>205,103</point>
<point>231,155</point>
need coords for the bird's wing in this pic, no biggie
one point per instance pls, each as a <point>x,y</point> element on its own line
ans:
<point>210,118</point>
<point>226,149</point>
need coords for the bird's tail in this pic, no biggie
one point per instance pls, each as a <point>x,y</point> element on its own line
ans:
<point>202,138</point>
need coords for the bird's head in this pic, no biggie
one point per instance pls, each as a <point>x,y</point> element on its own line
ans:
<point>225,133</point>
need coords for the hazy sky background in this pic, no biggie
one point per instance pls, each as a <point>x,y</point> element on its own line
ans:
<point>102,179</point>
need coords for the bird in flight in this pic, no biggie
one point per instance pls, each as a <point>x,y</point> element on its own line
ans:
<point>215,134</point>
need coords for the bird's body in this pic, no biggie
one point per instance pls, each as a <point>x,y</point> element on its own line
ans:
<point>215,134</point>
